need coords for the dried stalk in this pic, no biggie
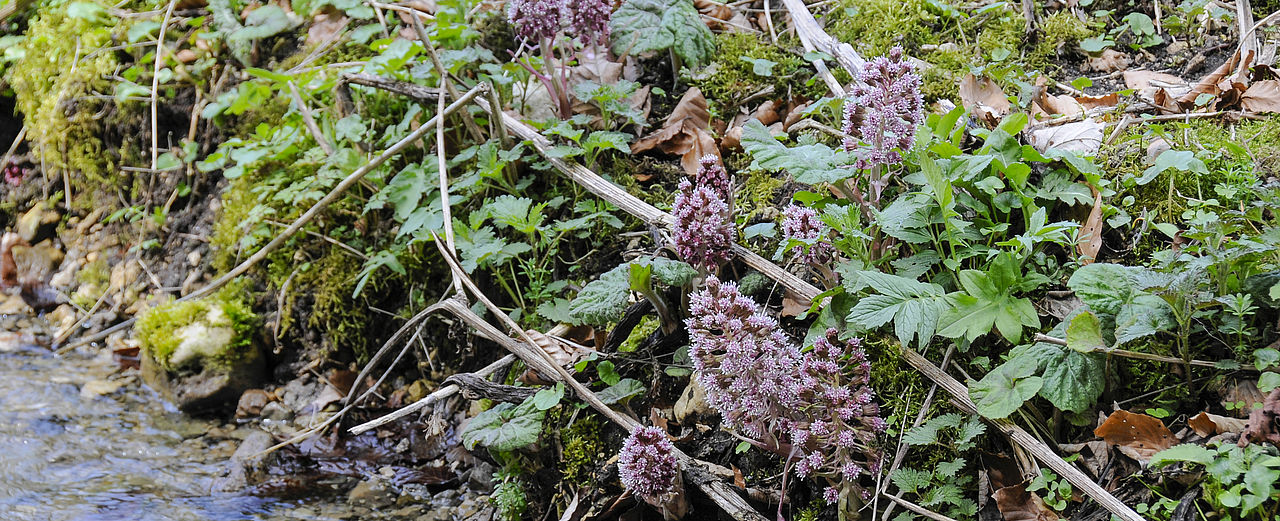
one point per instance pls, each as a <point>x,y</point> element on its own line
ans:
<point>155,85</point>
<point>309,121</point>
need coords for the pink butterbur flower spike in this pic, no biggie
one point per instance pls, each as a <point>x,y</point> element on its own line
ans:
<point>881,116</point>
<point>802,224</point>
<point>648,467</point>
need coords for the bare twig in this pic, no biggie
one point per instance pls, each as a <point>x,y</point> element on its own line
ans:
<point>917,508</point>
<point>309,121</point>
<point>439,394</point>
<point>1125,353</point>
<point>444,173</point>
<point>155,85</point>
<point>467,120</point>
<point>22,134</point>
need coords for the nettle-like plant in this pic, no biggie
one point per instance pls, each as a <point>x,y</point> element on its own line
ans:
<point>556,27</point>
<point>812,407</point>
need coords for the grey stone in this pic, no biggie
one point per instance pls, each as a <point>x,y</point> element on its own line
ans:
<point>372,493</point>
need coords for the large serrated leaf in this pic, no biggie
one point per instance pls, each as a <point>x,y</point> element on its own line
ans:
<point>1073,381</point>
<point>641,26</point>
<point>1006,388</point>
<point>913,306</point>
<point>810,164</point>
<point>505,427</point>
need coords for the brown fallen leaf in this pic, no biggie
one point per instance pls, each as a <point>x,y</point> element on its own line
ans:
<point>326,24</point>
<point>1241,395</point>
<point>738,479</point>
<point>1144,79</point>
<point>1137,435</point>
<point>983,98</point>
<point>1082,137</point>
<point>1110,60</point>
<point>1207,425</point>
<point>1090,242</point>
<point>1016,504</point>
<point>1049,105</point>
<point>713,9</point>
<point>684,133</point>
<point>1215,83</point>
<point>1262,97</point>
<point>1098,102</point>
<point>767,112</point>
<point>1094,455</point>
<point>1264,422</point>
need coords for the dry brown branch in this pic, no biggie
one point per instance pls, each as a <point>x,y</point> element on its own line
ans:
<point>309,121</point>
<point>155,85</point>
<point>1125,353</point>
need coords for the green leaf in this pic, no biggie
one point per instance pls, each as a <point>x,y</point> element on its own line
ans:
<point>967,437</point>
<point>550,397</point>
<point>1104,287</point>
<point>1005,389</point>
<point>911,480</point>
<point>606,298</point>
<point>913,306</point>
<point>607,373</point>
<point>988,301</point>
<point>1183,160</point>
<point>928,432</point>
<point>141,30</point>
<point>640,26</point>
<point>1268,381</point>
<point>1084,334</point>
<point>760,66</point>
<point>505,427</point>
<point>89,11</point>
<point>266,21</point>
<point>950,469</point>
<point>625,389</point>
<point>1185,452</point>
<point>1143,316</point>
<point>1073,381</point>
<point>810,164</point>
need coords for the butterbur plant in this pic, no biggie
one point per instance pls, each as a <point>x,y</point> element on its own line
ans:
<point>744,363</point>
<point>703,232</point>
<point>541,24</point>
<point>834,437</point>
<point>813,408</point>
<point>880,120</point>
<point>808,240</point>
<point>648,468</point>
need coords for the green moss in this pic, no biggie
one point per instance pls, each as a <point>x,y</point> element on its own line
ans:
<point>730,79</point>
<point>329,282</point>
<point>582,449</point>
<point>648,324</point>
<point>94,278</point>
<point>1060,33</point>
<point>758,192</point>
<point>161,329</point>
<point>58,99</point>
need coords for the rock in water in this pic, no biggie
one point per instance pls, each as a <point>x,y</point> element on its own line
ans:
<point>200,354</point>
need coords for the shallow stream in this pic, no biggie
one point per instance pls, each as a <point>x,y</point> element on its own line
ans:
<point>78,442</point>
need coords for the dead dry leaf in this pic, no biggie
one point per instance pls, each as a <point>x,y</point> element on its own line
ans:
<point>1110,60</point>
<point>1016,504</point>
<point>983,98</point>
<point>1098,102</point>
<point>1091,232</point>
<point>1095,455</point>
<point>1207,425</point>
<point>1241,395</point>
<point>1082,137</point>
<point>1157,88</point>
<point>684,133</point>
<point>1262,97</point>
<point>1215,83</point>
<point>325,25</point>
<point>1264,422</point>
<point>1137,435</point>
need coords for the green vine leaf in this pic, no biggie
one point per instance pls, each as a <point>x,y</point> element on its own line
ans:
<point>1006,388</point>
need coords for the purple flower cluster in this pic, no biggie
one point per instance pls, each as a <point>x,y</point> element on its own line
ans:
<point>817,402</point>
<point>703,231</point>
<point>647,465</point>
<point>535,20</point>
<point>712,175</point>
<point>743,361</point>
<point>840,419</point>
<point>884,111</point>
<point>589,20</point>
<point>802,224</point>
<point>14,174</point>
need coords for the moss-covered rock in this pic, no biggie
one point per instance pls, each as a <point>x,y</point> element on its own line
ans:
<point>200,354</point>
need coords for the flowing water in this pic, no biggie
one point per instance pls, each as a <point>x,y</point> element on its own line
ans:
<point>71,448</point>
